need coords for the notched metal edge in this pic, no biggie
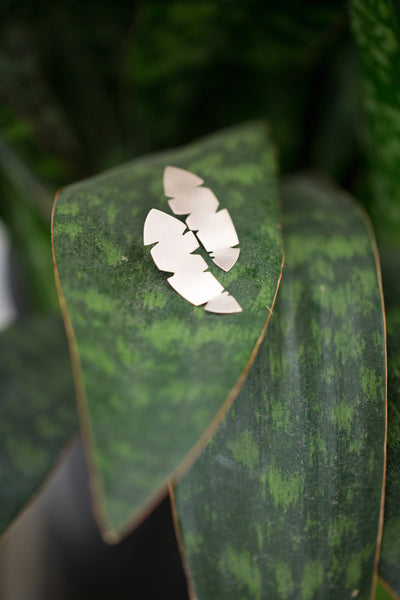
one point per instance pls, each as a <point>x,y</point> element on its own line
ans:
<point>215,230</point>
<point>173,252</point>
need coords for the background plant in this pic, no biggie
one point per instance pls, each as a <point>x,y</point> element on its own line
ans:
<point>86,88</point>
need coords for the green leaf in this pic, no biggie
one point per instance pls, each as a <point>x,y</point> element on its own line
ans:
<point>383,591</point>
<point>37,410</point>
<point>153,370</point>
<point>376,30</point>
<point>389,566</point>
<point>185,57</point>
<point>31,244</point>
<point>285,501</point>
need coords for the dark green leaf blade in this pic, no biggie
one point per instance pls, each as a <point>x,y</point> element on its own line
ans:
<point>383,591</point>
<point>377,33</point>
<point>155,369</point>
<point>37,411</point>
<point>285,502</point>
<point>389,566</point>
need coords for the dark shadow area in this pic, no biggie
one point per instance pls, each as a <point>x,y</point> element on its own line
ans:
<point>58,548</point>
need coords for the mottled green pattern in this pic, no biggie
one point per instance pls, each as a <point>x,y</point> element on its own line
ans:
<point>389,566</point>
<point>383,592</point>
<point>284,502</point>
<point>376,30</point>
<point>37,409</point>
<point>157,369</point>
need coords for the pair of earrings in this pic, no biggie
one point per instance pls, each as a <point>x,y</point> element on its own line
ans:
<point>174,248</point>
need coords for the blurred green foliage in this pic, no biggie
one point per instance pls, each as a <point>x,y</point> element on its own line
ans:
<point>85,86</point>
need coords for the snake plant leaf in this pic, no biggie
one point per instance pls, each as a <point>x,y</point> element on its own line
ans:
<point>389,566</point>
<point>384,591</point>
<point>156,374</point>
<point>285,502</point>
<point>37,411</point>
<point>376,30</point>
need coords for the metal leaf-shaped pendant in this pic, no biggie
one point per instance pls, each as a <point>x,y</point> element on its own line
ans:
<point>215,230</point>
<point>173,253</point>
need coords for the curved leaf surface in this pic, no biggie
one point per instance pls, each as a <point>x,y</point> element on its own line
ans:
<point>285,502</point>
<point>37,411</point>
<point>389,566</point>
<point>153,370</point>
<point>377,33</point>
<point>384,591</point>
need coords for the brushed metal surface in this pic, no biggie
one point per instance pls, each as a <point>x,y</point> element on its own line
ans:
<point>172,253</point>
<point>215,230</point>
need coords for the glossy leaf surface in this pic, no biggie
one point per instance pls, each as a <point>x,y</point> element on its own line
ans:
<point>37,410</point>
<point>156,370</point>
<point>285,501</point>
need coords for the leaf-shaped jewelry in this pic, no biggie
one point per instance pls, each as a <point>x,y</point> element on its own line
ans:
<point>215,230</point>
<point>173,253</point>
<point>148,364</point>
